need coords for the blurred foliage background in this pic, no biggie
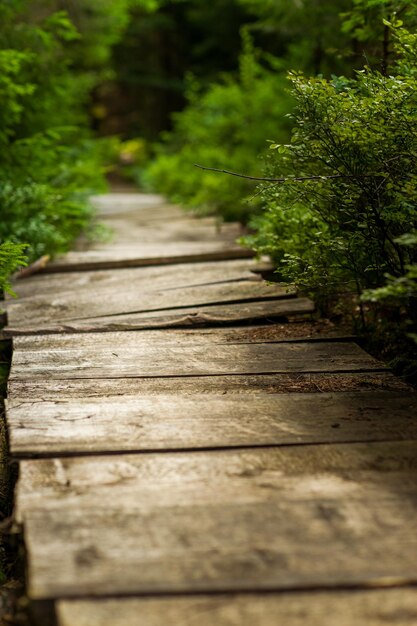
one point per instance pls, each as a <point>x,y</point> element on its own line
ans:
<point>141,90</point>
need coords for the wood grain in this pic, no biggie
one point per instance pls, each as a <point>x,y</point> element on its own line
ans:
<point>211,315</point>
<point>251,475</point>
<point>116,202</point>
<point>127,354</point>
<point>104,302</point>
<point>253,334</point>
<point>268,519</point>
<point>397,607</point>
<point>131,228</point>
<point>169,277</point>
<point>137,218</point>
<point>175,421</point>
<point>113,256</point>
<point>50,389</point>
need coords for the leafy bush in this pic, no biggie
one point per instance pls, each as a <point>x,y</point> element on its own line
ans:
<point>354,142</point>
<point>48,218</point>
<point>224,127</point>
<point>48,163</point>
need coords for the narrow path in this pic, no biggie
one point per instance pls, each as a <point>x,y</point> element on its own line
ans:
<point>192,451</point>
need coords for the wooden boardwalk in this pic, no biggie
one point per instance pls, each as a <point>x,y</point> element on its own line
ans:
<point>188,455</point>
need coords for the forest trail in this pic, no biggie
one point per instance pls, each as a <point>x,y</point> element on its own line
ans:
<point>193,450</point>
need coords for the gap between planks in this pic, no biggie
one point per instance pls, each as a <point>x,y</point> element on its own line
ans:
<point>232,314</point>
<point>379,607</point>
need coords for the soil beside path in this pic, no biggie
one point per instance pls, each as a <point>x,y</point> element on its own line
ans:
<point>194,448</point>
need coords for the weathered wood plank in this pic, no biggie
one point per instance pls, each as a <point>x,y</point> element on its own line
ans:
<point>130,228</point>
<point>210,315</point>
<point>251,334</point>
<point>147,481</point>
<point>125,213</point>
<point>246,335</point>
<point>175,422</point>
<point>50,389</point>
<point>132,206</point>
<point>114,203</point>
<point>104,302</point>
<point>177,276</point>
<point>214,548</point>
<point>115,256</point>
<point>129,354</point>
<point>148,231</point>
<point>137,218</point>
<point>309,516</point>
<point>396,607</point>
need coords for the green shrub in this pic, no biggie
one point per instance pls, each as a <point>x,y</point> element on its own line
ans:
<point>48,218</point>
<point>224,127</point>
<point>355,142</point>
<point>48,163</point>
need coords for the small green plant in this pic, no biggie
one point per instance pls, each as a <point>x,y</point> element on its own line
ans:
<point>12,257</point>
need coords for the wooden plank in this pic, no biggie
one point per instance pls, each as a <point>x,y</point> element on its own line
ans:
<point>114,203</point>
<point>176,422</point>
<point>303,517</point>
<point>290,329</point>
<point>165,232</point>
<point>136,207</point>
<point>254,334</point>
<point>378,607</point>
<point>146,481</point>
<point>77,553</point>
<point>130,228</point>
<point>50,389</point>
<point>115,256</point>
<point>125,212</point>
<point>148,231</point>
<point>169,277</point>
<point>210,315</point>
<point>101,301</point>
<point>130,354</point>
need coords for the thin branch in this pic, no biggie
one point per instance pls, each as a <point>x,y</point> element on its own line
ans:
<point>282,180</point>
<point>34,267</point>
